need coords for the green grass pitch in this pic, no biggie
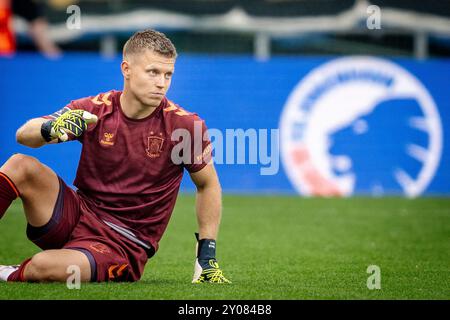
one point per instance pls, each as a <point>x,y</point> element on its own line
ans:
<point>279,247</point>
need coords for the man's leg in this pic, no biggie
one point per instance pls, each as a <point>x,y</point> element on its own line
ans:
<point>49,265</point>
<point>38,187</point>
<point>52,265</point>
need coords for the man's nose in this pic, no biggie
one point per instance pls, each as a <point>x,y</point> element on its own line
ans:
<point>161,82</point>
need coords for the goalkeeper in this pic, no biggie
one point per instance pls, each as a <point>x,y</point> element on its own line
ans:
<point>136,146</point>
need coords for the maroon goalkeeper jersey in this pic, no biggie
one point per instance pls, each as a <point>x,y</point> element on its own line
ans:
<point>126,172</point>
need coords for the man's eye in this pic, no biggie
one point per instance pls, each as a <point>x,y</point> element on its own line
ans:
<point>152,72</point>
<point>168,75</point>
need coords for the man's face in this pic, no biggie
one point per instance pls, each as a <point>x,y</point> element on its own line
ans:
<point>149,75</point>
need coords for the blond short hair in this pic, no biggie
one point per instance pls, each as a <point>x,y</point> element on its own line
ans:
<point>151,40</point>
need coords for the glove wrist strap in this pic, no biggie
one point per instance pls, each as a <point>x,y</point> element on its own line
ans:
<point>46,128</point>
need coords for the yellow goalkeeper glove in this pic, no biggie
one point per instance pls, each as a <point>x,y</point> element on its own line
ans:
<point>72,122</point>
<point>206,267</point>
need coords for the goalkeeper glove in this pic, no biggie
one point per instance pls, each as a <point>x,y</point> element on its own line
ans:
<point>72,122</point>
<point>206,267</point>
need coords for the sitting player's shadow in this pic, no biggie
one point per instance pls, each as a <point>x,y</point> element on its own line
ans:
<point>378,145</point>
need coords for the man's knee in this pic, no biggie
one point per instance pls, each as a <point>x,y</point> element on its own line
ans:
<point>21,168</point>
<point>43,268</point>
<point>40,268</point>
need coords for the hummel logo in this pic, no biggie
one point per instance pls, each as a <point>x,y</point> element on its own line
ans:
<point>108,139</point>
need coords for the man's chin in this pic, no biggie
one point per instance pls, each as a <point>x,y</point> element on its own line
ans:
<point>152,101</point>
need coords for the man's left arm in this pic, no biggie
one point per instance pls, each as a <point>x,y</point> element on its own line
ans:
<point>209,211</point>
<point>208,201</point>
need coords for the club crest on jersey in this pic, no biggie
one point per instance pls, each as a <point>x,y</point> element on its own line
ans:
<point>107,139</point>
<point>154,146</point>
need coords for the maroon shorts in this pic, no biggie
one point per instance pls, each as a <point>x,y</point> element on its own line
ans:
<point>74,225</point>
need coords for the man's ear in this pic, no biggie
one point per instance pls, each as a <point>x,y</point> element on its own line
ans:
<point>125,67</point>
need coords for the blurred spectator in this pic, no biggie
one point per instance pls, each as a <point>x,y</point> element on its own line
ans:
<point>7,41</point>
<point>37,27</point>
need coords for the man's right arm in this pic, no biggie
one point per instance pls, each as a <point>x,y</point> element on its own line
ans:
<point>65,126</point>
<point>30,134</point>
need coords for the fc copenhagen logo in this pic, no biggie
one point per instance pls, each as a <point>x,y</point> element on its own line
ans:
<point>360,124</point>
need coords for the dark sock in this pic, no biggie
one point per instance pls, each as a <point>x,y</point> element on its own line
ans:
<point>17,275</point>
<point>206,249</point>
<point>8,192</point>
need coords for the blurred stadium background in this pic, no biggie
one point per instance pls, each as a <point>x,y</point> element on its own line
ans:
<point>261,27</point>
<point>363,110</point>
